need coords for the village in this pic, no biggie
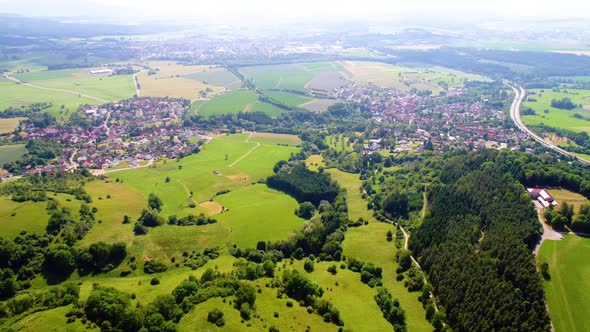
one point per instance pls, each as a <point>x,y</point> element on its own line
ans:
<point>132,132</point>
<point>419,123</point>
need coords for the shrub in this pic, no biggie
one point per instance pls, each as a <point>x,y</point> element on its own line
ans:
<point>215,316</point>
<point>155,281</point>
<point>152,266</point>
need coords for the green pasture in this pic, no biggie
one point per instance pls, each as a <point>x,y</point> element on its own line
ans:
<point>17,95</point>
<point>10,153</point>
<point>46,75</point>
<point>369,243</point>
<point>354,300</point>
<point>30,216</point>
<point>558,118</point>
<point>291,76</point>
<point>222,164</point>
<point>257,213</point>
<point>53,320</point>
<point>111,88</point>
<point>228,103</point>
<point>567,291</point>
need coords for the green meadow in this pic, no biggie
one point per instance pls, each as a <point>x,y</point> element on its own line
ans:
<point>257,213</point>
<point>17,95</point>
<point>111,88</point>
<point>558,118</point>
<point>234,102</point>
<point>567,290</point>
<point>369,243</point>
<point>292,76</point>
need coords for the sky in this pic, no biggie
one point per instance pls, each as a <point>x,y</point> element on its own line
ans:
<point>280,9</point>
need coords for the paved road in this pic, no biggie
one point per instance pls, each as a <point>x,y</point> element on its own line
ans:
<point>519,94</point>
<point>14,79</point>
<point>548,232</point>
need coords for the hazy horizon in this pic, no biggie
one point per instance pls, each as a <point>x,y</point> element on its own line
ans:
<point>265,11</point>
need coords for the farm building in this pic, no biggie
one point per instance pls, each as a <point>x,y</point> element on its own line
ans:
<point>101,71</point>
<point>543,196</point>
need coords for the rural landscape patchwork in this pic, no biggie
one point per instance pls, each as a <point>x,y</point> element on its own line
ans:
<point>342,172</point>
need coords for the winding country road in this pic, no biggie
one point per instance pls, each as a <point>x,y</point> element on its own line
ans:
<point>519,94</point>
<point>16,80</point>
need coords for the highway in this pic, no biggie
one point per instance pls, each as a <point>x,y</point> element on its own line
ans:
<point>519,95</point>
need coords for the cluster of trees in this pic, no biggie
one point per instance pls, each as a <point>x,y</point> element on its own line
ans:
<point>39,153</point>
<point>296,286</point>
<point>581,223</point>
<point>563,103</point>
<point>303,184</point>
<point>370,273</point>
<point>32,301</point>
<point>476,246</point>
<point>149,217</point>
<point>391,309</point>
<point>34,188</point>
<point>101,257</point>
<point>111,309</point>
<point>582,139</point>
<point>561,217</point>
<point>191,220</point>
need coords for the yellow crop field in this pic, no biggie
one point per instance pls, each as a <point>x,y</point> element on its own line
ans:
<point>169,81</point>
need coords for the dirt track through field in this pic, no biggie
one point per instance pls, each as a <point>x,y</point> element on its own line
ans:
<point>14,79</point>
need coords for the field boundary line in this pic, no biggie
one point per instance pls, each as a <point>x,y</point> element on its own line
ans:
<point>79,94</point>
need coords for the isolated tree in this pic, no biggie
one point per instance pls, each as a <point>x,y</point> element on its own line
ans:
<point>154,202</point>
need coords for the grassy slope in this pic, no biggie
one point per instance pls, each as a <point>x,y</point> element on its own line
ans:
<point>258,213</point>
<point>52,320</point>
<point>571,197</point>
<point>568,288</point>
<point>369,243</point>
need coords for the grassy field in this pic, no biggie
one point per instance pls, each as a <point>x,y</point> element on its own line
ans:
<point>16,95</point>
<point>292,76</point>
<point>235,102</point>
<point>53,320</point>
<point>556,117</point>
<point>354,300</point>
<point>170,81</point>
<point>205,174</point>
<point>275,139</point>
<point>43,75</point>
<point>287,98</point>
<point>567,291</point>
<point>28,216</point>
<point>218,77</point>
<point>10,153</point>
<point>314,162</point>
<point>357,206</point>
<point>369,243</point>
<point>9,125</point>
<point>111,88</point>
<point>318,105</point>
<point>257,213</point>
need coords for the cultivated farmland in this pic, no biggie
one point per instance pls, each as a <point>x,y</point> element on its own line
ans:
<point>540,100</point>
